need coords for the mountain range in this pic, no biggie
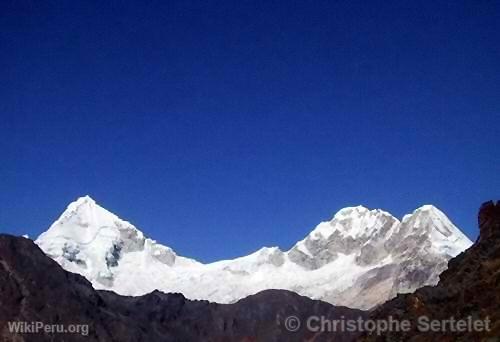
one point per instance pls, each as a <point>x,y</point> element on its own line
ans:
<point>360,258</point>
<point>35,288</point>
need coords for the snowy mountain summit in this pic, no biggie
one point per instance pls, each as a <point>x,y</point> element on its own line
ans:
<point>359,259</point>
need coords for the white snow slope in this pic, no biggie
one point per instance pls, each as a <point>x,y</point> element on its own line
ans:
<point>360,258</point>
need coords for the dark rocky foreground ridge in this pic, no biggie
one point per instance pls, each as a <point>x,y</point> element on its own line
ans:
<point>33,287</point>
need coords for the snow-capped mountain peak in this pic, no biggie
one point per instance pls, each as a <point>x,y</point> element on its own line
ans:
<point>359,258</point>
<point>352,221</point>
<point>84,220</point>
<point>91,240</point>
<point>430,221</point>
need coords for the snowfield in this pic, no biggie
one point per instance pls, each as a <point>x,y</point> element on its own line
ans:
<point>360,258</point>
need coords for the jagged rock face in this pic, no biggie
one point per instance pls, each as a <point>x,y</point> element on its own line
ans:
<point>35,288</point>
<point>489,221</point>
<point>360,258</point>
<point>352,229</point>
<point>469,287</point>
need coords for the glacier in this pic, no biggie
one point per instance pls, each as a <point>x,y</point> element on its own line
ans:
<point>360,258</point>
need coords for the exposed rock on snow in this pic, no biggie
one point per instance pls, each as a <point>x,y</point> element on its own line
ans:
<point>360,258</point>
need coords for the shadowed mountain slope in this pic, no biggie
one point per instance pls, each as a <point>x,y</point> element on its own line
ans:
<point>33,287</point>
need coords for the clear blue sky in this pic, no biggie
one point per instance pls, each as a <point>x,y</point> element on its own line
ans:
<point>218,127</point>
